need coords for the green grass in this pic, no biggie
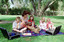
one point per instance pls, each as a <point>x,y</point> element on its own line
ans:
<point>8,17</point>
<point>57,20</point>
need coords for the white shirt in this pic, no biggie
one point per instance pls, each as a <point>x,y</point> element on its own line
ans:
<point>15,24</point>
<point>42,25</point>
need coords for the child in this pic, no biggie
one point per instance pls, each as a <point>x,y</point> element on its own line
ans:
<point>50,24</point>
<point>31,21</point>
<point>17,25</point>
<point>31,25</point>
<point>42,24</point>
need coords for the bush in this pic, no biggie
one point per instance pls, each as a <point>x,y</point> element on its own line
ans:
<point>2,11</point>
<point>14,11</point>
<point>17,11</point>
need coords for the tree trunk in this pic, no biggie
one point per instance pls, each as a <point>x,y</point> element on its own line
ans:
<point>53,12</point>
<point>7,10</point>
<point>46,7</point>
<point>39,7</point>
<point>34,7</point>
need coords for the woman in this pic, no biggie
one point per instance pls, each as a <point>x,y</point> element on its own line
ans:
<point>25,16</point>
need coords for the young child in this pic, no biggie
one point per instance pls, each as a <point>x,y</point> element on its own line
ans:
<point>50,24</point>
<point>31,25</point>
<point>18,25</point>
<point>31,21</point>
<point>42,24</point>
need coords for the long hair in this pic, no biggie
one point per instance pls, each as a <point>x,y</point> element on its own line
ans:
<point>43,19</point>
<point>30,18</point>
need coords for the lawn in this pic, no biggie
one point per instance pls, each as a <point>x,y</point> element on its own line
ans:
<point>57,20</point>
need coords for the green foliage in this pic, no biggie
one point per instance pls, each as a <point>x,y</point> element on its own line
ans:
<point>54,6</point>
<point>44,2</point>
<point>49,13</point>
<point>4,1</point>
<point>2,11</point>
<point>17,11</point>
<point>28,6</point>
<point>14,11</point>
<point>63,4</point>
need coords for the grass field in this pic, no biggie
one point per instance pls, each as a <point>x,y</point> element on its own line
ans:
<point>57,20</point>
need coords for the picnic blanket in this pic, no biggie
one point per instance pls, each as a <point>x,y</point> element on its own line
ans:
<point>42,32</point>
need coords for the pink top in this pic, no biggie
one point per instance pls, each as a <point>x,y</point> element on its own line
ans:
<point>48,23</point>
<point>40,21</point>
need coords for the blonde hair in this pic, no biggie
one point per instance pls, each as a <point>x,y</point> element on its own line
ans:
<point>43,19</point>
<point>48,19</point>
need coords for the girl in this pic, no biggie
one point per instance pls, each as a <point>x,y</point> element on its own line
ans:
<point>50,24</point>
<point>42,24</point>
<point>31,25</point>
<point>31,21</point>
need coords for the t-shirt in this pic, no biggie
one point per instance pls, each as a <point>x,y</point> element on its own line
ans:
<point>16,24</point>
<point>26,20</point>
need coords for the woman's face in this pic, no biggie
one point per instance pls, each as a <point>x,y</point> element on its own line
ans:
<point>26,15</point>
<point>18,20</point>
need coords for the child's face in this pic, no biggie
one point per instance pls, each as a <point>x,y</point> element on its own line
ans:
<point>31,18</point>
<point>48,20</point>
<point>18,20</point>
<point>43,19</point>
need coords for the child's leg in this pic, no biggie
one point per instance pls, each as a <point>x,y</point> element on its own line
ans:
<point>33,29</point>
<point>38,28</point>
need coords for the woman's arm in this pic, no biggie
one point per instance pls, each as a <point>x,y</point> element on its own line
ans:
<point>22,24</point>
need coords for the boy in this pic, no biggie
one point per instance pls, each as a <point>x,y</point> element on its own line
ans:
<point>17,27</point>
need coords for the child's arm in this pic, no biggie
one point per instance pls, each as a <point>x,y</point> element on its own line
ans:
<point>22,24</point>
<point>33,23</point>
<point>40,24</point>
